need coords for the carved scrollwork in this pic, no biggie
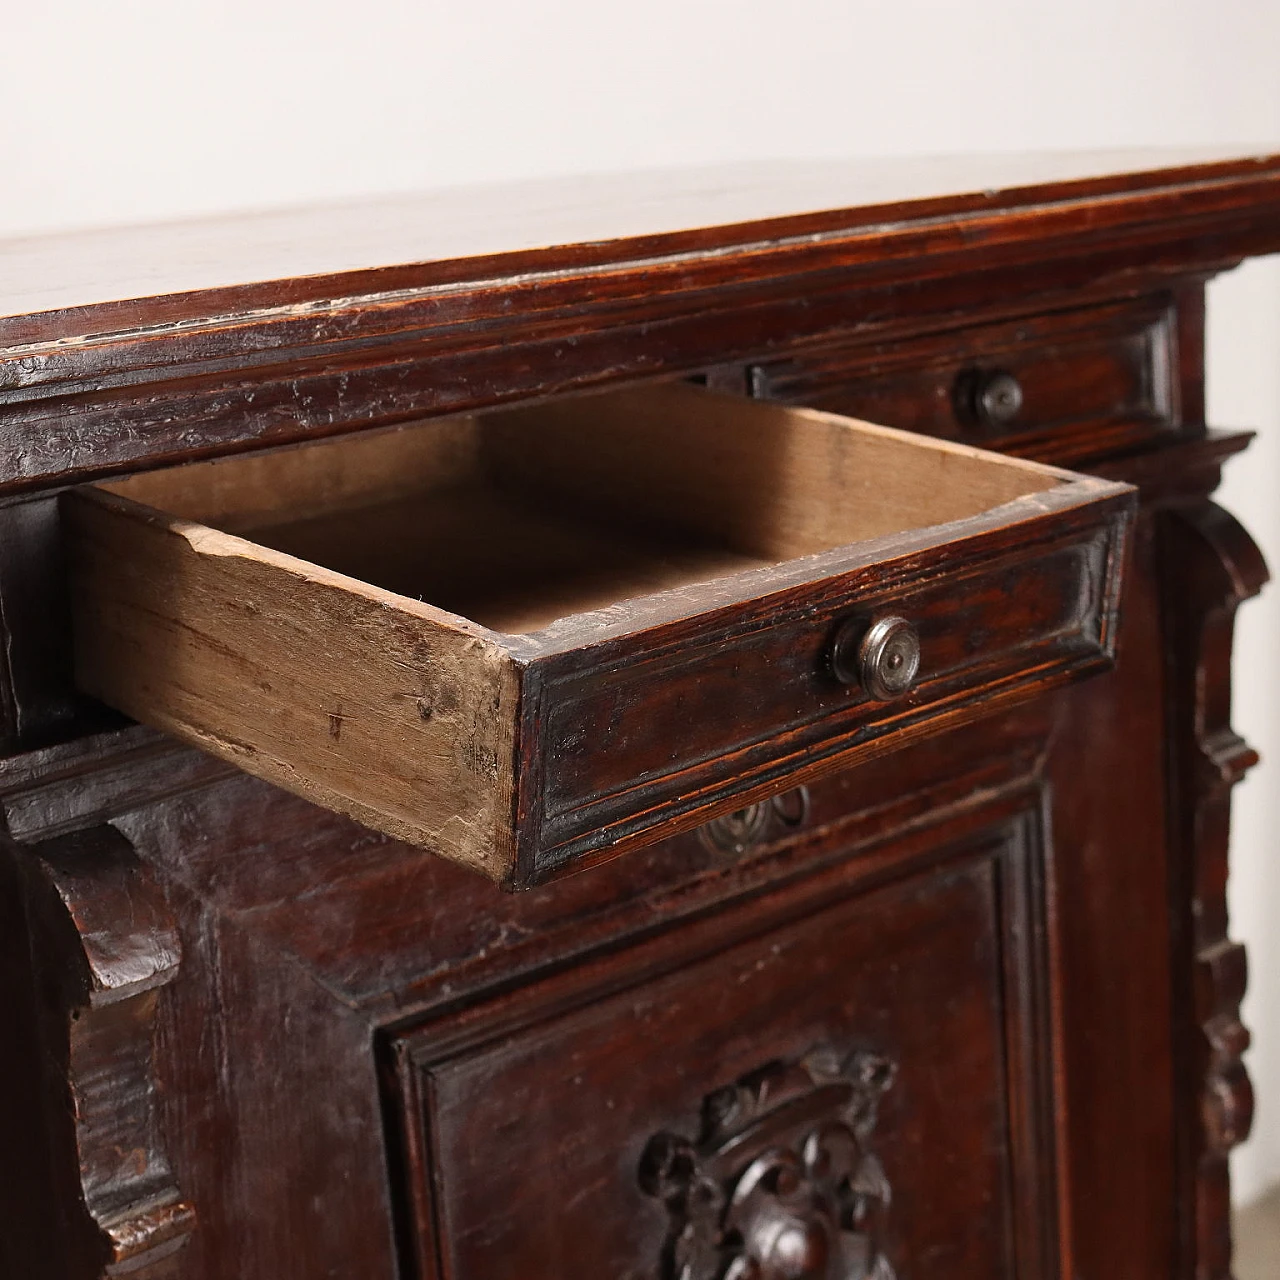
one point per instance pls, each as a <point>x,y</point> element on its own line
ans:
<point>1213,567</point>
<point>105,945</point>
<point>781,1183</point>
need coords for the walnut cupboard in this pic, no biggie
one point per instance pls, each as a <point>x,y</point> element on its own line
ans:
<point>670,727</point>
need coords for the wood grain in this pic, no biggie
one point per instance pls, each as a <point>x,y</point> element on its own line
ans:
<point>373,704</point>
<point>72,270</point>
<point>120,371</point>
<point>1094,380</point>
<point>95,1031</point>
<point>522,518</point>
<point>768,480</point>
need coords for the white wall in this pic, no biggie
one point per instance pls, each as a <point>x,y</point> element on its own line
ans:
<point>139,109</point>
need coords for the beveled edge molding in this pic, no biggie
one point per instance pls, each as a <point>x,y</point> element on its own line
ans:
<point>104,945</point>
<point>79,784</point>
<point>90,391</point>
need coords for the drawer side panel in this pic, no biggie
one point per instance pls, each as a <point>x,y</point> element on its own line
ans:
<point>333,692</point>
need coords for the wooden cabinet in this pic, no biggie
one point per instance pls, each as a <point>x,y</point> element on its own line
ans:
<point>864,775</point>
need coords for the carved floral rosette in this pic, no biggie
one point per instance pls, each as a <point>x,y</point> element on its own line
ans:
<point>781,1183</point>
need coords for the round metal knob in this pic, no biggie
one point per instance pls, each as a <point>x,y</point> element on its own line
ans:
<point>884,658</point>
<point>998,399</point>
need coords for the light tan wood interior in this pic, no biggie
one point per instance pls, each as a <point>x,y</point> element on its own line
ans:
<point>517,518</point>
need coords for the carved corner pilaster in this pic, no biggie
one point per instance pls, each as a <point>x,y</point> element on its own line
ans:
<point>102,944</point>
<point>1211,567</point>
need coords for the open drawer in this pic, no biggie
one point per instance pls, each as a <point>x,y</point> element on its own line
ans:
<point>529,639</point>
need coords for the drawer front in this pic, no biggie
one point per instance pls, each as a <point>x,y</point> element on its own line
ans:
<point>862,1093</point>
<point>663,734</point>
<point>1062,387</point>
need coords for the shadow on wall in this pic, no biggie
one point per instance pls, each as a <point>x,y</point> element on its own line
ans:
<point>1257,1230</point>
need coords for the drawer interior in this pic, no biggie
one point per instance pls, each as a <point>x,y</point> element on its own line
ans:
<point>515,519</point>
<point>531,638</point>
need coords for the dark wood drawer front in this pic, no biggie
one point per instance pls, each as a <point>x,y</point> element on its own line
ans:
<point>1081,383</point>
<point>838,1098</point>
<point>631,732</point>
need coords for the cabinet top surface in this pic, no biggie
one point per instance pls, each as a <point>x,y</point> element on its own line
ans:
<point>499,231</point>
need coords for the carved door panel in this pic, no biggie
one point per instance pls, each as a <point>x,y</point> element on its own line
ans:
<point>858,1092</point>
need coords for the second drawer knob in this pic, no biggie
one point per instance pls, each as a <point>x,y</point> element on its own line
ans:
<point>991,399</point>
<point>884,658</point>
<point>999,399</point>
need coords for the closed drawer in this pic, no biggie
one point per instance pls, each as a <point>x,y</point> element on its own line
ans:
<point>528,640</point>
<point>861,1094</point>
<point>1066,386</point>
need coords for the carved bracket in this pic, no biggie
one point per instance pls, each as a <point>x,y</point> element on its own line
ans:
<point>103,944</point>
<point>781,1183</point>
<point>1212,567</point>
